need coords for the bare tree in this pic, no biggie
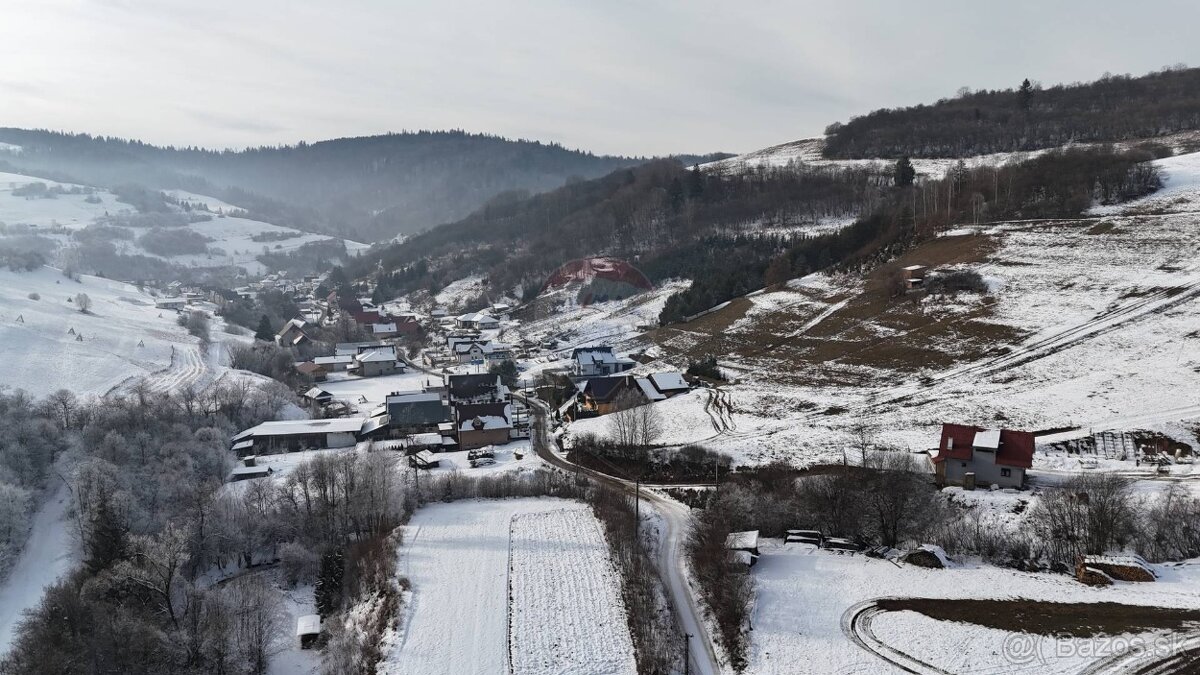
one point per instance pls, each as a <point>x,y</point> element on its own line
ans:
<point>634,422</point>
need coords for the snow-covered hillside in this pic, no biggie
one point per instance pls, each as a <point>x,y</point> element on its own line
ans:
<point>1091,324</point>
<point>48,344</point>
<point>64,207</point>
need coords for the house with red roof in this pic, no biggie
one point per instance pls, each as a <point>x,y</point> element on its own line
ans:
<point>969,455</point>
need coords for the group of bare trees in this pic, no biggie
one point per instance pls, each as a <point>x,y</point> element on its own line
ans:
<point>634,421</point>
<point>143,471</point>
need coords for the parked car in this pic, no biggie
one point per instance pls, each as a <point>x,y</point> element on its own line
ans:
<point>482,461</point>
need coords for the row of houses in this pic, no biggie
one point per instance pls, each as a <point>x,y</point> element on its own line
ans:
<point>364,359</point>
<point>458,412</point>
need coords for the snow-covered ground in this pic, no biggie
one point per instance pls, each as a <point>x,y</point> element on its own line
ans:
<point>461,559</point>
<point>123,334</point>
<point>1096,327</point>
<point>802,594</point>
<point>808,151</point>
<point>72,211</point>
<point>48,554</point>
<point>231,236</point>
<point>567,613</point>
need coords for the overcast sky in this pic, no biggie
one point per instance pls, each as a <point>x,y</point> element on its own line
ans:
<point>630,77</point>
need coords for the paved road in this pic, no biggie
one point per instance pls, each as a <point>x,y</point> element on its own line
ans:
<point>676,519</point>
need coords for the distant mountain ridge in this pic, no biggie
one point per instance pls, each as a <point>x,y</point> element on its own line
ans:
<point>369,188</point>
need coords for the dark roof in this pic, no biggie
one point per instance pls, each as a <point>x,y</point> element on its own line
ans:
<point>1016,447</point>
<point>417,413</point>
<point>607,388</point>
<point>468,411</point>
<point>581,350</point>
<point>468,386</point>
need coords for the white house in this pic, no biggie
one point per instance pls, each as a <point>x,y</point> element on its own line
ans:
<point>477,320</point>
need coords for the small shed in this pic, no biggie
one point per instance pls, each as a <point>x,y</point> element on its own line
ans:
<point>423,460</point>
<point>241,473</point>
<point>914,276</point>
<point>743,541</point>
<point>308,629</point>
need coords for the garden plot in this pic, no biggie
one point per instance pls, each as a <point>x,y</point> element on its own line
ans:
<point>567,613</point>
<point>460,559</point>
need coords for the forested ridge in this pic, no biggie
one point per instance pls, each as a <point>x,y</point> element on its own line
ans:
<point>1027,117</point>
<point>367,188</point>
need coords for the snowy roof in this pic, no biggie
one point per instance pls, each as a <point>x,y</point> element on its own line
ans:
<point>377,356</point>
<point>1123,560</point>
<point>316,392</point>
<point>742,540</point>
<point>309,624</point>
<point>340,358</point>
<point>383,328</point>
<point>988,438</point>
<point>340,425</point>
<point>242,445</point>
<point>648,389</point>
<point>412,397</point>
<point>476,317</point>
<point>487,415</point>
<point>669,381</point>
<point>913,268</point>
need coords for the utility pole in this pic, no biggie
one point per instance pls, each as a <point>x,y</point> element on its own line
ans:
<point>687,661</point>
<point>637,504</point>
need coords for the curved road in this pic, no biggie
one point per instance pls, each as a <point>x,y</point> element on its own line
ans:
<point>676,518</point>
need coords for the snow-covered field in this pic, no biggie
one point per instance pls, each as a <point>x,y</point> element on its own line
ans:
<point>808,151</point>
<point>567,614</point>
<point>461,558</point>
<point>71,211</point>
<point>123,334</point>
<point>802,594</point>
<point>231,237</point>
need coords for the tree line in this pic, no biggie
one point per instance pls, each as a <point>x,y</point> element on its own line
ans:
<point>1029,117</point>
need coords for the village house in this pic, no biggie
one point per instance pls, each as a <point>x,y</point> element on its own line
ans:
<point>175,304</point>
<point>376,362</point>
<point>336,363</point>
<point>292,334</point>
<point>598,361</point>
<point>969,456</point>
<point>416,411</point>
<point>482,351</point>
<point>476,321</point>
<point>603,395</point>
<point>312,370</point>
<point>480,388</point>
<point>669,383</point>
<point>481,424</point>
<point>355,348</point>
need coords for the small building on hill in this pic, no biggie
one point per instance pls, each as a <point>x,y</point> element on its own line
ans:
<point>913,276</point>
<point>969,455</point>
<point>312,370</point>
<point>336,363</point>
<point>308,630</point>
